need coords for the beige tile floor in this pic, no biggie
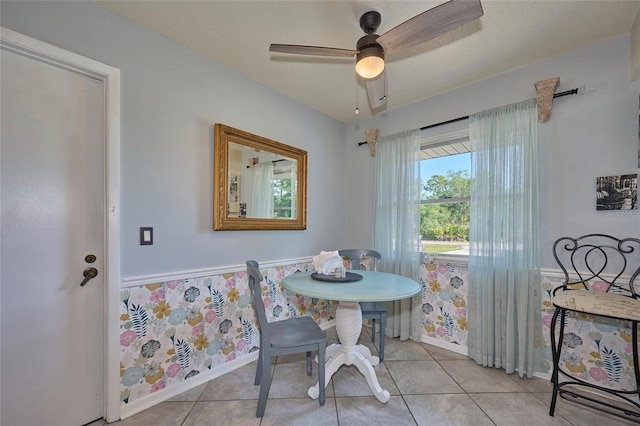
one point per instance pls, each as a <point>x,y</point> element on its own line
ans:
<point>428,386</point>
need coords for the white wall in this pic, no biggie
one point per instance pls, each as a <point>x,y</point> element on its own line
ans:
<point>592,135</point>
<point>635,48</point>
<point>171,97</point>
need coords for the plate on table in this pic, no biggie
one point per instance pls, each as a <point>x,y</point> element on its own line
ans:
<point>351,276</point>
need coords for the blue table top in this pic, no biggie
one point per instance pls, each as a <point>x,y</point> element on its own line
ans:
<point>373,287</point>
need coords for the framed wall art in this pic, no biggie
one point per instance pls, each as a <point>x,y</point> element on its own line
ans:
<point>618,192</point>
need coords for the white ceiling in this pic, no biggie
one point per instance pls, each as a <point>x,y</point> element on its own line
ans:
<point>510,35</point>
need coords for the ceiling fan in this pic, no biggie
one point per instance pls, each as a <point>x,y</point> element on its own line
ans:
<point>371,49</point>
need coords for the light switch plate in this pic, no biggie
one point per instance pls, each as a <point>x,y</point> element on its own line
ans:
<point>146,236</point>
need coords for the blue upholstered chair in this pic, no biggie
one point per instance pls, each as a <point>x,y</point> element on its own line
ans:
<point>293,335</point>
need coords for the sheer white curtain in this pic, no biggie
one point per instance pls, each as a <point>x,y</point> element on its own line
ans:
<point>262,191</point>
<point>397,222</point>
<point>504,249</point>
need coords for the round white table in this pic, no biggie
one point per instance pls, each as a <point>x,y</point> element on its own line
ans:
<point>373,287</point>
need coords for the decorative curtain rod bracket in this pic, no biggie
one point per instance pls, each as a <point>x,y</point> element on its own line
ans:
<point>545,90</point>
<point>372,138</point>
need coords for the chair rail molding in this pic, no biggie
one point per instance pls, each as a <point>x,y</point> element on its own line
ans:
<point>137,281</point>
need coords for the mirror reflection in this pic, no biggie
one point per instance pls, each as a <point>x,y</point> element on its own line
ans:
<point>259,183</point>
<point>262,184</point>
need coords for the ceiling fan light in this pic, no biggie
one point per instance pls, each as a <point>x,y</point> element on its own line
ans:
<point>370,62</point>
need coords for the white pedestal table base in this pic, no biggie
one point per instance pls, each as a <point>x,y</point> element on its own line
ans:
<point>348,352</point>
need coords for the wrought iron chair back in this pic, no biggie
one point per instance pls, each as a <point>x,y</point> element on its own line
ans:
<point>599,280</point>
<point>601,258</point>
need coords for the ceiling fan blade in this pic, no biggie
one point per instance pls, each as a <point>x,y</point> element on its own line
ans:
<point>377,90</point>
<point>311,50</point>
<point>430,24</point>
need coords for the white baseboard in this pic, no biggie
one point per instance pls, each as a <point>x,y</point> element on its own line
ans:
<point>462,350</point>
<point>546,376</point>
<point>150,400</point>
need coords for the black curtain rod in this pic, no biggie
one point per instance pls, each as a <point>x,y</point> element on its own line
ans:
<point>556,95</point>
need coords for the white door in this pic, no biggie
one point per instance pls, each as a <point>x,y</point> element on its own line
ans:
<point>53,221</point>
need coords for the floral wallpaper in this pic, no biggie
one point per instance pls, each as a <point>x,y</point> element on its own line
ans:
<point>595,349</point>
<point>444,302</point>
<point>172,331</point>
<point>599,349</point>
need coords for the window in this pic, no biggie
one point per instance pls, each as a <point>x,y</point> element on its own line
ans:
<point>445,164</point>
<point>283,202</point>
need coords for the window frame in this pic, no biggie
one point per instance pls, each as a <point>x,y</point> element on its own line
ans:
<point>439,141</point>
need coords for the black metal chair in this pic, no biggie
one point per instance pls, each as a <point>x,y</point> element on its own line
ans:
<point>613,265</point>
<point>289,336</point>
<point>374,311</point>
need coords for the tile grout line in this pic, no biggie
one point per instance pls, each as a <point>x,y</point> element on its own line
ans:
<point>461,387</point>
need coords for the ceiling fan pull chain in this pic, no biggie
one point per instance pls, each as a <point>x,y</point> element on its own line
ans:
<point>357,102</point>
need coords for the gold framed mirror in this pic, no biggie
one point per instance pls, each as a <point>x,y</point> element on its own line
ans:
<point>258,183</point>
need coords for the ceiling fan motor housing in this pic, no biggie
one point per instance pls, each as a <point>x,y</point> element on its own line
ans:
<point>368,46</point>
